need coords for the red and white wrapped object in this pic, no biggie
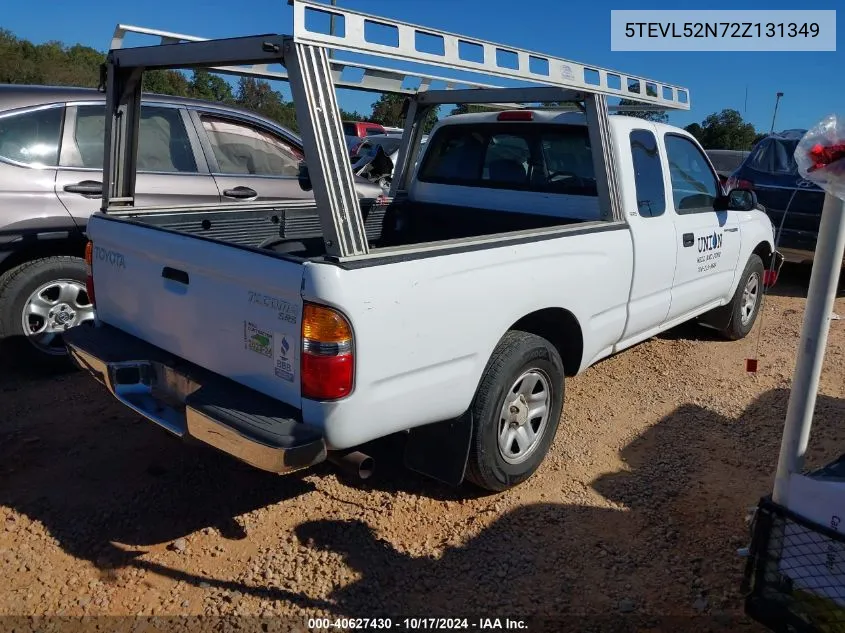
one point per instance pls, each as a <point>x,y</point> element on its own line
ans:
<point>821,155</point>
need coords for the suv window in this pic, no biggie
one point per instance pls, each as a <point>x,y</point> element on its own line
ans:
<point>648,174</point>
<point>350,129</point>
<point>163,144</point>
<point>32,137</point>
<point>694,185</point>
<point>244,149</point>
<point>525,157</point>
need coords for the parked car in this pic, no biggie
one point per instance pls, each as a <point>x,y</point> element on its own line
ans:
<point>356,131</point>
<point>726,161</point>
<point>51,159</point>
<point>366,151</point>
<point>771,172</point>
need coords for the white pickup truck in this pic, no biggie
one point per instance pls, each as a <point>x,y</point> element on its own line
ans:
<point>522,247</point>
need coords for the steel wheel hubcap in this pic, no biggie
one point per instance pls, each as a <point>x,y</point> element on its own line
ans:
<point>750,295</point>
<point>524,416</point>
<point>51,310</point>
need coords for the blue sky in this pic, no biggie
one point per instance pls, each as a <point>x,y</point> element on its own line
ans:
<point>579,31</point>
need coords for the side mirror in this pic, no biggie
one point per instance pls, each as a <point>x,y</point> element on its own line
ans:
<point>303,177</point>
<point>737,200</point>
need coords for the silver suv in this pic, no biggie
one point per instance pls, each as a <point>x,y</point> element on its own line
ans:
<point>51,160</point>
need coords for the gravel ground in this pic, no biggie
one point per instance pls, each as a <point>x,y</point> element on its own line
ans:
<point>639,508</point>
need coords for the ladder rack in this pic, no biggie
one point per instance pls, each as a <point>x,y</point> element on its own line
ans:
<point>313,77</point>
<point>373,78</point>
<point>524,65</point>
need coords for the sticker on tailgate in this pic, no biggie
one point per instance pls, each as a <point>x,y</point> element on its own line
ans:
<point>285,357</point>
<point>257,340</point>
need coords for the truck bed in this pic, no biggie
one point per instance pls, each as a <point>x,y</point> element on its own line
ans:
<point>293,228</point>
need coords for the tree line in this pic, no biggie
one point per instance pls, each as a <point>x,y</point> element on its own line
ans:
<point>56,64</point>
<point>53,63</point>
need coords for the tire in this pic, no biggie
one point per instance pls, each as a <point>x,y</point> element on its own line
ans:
<point>55,279</point>
<point>744,308</point>
<point>518,354</point>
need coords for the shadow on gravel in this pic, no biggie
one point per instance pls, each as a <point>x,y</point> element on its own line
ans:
<point>107,477</point>
<point>15,373</point>
<point>649,556</point>
<point>794,281</point>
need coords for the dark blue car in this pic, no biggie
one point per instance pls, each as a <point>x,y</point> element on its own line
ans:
<point>770,170</point>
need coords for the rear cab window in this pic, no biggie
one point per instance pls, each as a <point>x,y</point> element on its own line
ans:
<point>554,158</point>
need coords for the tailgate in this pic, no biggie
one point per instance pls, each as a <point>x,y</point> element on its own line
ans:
<point>230,310</point>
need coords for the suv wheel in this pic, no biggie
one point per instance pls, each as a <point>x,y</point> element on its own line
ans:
<point>39,301</point>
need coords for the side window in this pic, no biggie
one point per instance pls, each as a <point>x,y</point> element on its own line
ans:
<point>163,144</point>
<point>648,174</point>
<point>694,185</point>
<point>32,137</point>
<point>373,131</point>
<point>243,149</point>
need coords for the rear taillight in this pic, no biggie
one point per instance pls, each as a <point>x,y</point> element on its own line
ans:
<point>89,272</point>
<point>770,278</point>
<point>327,356</point>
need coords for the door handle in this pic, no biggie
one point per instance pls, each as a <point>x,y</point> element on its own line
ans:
<point>174,274</point>
<point>689,239</point>
<point>240,193</point>
<point>86,188</point>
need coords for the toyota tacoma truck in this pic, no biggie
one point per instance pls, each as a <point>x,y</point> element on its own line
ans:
<point>522,246</point>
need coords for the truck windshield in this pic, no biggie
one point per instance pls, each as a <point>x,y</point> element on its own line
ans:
<point>526,157</point>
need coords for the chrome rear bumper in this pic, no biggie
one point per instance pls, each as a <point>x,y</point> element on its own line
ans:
<point>191,402</point>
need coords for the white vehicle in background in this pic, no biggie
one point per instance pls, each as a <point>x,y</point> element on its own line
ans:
<point>524,247</point>
<point>367,155</point>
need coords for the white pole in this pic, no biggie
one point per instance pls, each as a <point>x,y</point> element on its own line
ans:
<point>824,280</point>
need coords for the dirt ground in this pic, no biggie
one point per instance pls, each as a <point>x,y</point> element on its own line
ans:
<point>639,509</point>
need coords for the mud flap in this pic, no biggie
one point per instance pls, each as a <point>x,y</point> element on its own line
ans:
<point>440,450</point>
<point>718,318</point>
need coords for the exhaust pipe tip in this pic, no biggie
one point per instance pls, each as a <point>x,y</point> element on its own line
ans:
<point>355,463</point>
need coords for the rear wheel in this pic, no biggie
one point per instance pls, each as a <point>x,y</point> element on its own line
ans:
<point>516,411</point>
<point>39,301</point>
